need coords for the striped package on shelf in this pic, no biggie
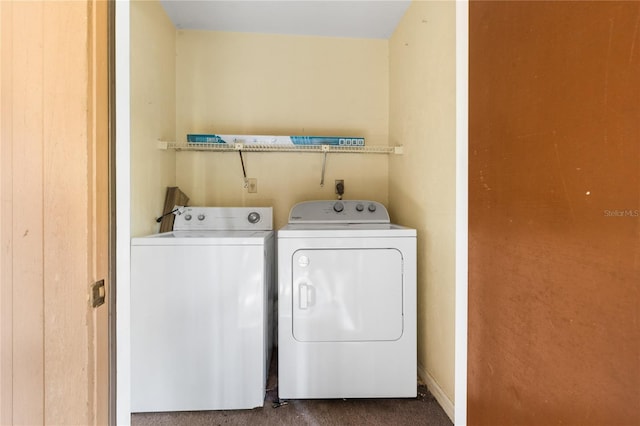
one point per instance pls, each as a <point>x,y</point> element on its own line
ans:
<point>274,140</point>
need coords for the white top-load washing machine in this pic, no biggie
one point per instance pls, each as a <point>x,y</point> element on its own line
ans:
<point>347,303</point>
<point>201,311</point>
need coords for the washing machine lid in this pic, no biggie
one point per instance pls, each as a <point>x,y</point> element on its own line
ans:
<point>204,238</point>
<point>215,226</point>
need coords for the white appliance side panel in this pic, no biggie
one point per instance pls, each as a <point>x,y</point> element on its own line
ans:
<point>347,295</point>
<point>197,328</point>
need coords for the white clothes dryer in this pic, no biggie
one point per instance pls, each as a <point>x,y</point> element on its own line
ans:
<point>201,311</point>
<point>347,303</point>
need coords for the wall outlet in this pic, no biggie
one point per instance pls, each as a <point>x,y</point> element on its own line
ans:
<point>252,185</point>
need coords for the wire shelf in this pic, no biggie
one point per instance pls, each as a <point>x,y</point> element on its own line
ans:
<point>213,147</point>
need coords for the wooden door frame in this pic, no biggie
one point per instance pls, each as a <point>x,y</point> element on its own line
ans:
<point>111,295</point>
<point>100,106</point>
<point>462,211</point>
<point>122,212</point>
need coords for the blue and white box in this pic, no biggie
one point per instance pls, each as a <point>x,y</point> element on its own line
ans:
<point>275,140</point>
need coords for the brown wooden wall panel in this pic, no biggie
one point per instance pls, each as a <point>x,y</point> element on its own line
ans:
<point>49,218</point>
<point>6,218</point>
<point>67,228</point>
<point>27,211</point>
<point>554,213</point>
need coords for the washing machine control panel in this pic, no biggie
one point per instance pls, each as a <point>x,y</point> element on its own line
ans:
<point>342,211</point>
<point>223,218</point>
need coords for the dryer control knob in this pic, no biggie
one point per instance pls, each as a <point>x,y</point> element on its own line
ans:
<point>359,207</point>
<point>187,217</point>
<point>303,261</point>
<point>200,217</point>
<point>372,208</point>
<point>338,207</point>
<point>254,217</point>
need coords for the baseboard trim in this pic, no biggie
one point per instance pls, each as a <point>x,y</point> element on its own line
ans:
<point>437,392</point>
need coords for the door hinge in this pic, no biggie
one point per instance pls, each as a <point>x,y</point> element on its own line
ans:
<point>97,293</point>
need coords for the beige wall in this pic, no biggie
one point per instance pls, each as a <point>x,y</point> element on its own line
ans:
<point>237,83</point>
<point>152,112</point>
<point>422,181</point>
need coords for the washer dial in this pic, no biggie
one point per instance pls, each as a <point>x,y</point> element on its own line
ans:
<point>254,217</point>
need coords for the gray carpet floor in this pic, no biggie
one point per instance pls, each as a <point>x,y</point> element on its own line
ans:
<point>423,410</point>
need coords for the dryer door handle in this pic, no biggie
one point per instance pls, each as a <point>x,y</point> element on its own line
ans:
<point>305,295</point>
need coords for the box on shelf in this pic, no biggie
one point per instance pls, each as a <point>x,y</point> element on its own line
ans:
<point>274,140</point>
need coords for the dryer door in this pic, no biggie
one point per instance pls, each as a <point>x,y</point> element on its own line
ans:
<point>343,295</point>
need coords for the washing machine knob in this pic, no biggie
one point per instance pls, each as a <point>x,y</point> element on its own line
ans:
<point>187,217</point>
<point>359,207</point>
<point>372,207</point>
<point>338,207</point>
<point>254,217</point>
<point>200,217</point>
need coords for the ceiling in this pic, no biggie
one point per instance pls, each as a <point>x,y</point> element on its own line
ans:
<point>375,19</point>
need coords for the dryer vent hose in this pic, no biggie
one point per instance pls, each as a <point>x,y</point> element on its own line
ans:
<point>340,189</point>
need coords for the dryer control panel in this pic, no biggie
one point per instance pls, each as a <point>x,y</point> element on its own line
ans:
<point>340,211</point>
